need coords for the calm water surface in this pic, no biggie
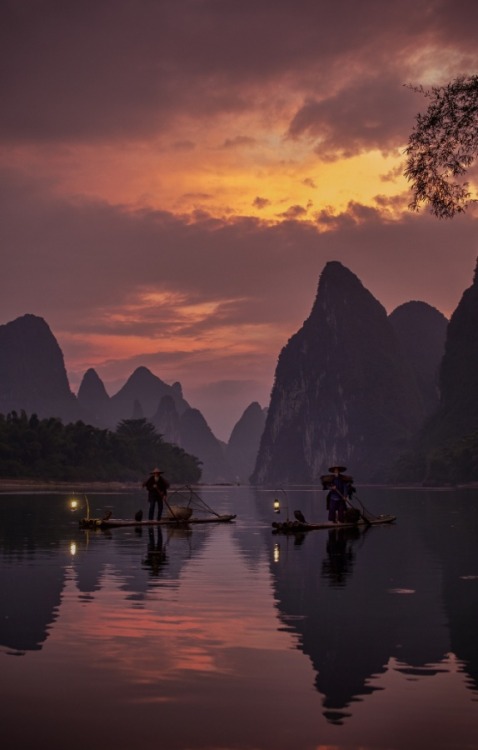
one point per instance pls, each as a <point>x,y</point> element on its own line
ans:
<point>228,636</point>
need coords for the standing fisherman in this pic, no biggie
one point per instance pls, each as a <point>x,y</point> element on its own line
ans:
<point>157,487</point>
<point>340,489</point>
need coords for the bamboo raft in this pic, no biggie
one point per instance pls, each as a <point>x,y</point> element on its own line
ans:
<point>295,527</point>
<point>183,508</point>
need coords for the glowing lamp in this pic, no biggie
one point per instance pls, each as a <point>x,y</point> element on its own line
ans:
<point>276,505</point>
<point>75,504</point>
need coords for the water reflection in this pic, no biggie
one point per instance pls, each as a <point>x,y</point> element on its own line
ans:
<point>338,564</point>
<point>156,557</point>
<point>31,583</point>
<point>41,550</point>
<point>362,637</point>
<point>386,595</point>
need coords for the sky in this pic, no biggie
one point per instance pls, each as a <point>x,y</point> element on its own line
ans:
<point>175,174</point>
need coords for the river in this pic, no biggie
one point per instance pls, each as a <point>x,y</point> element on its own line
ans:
<point>227,636</point>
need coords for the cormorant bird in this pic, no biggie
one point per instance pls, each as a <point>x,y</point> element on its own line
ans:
<point>299,516</point>
<point>138,516</point>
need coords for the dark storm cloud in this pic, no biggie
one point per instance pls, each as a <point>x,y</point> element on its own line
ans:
<point>94,70</point>
<point>361,117</point>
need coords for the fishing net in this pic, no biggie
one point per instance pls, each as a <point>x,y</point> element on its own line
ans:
<point>188,503</point>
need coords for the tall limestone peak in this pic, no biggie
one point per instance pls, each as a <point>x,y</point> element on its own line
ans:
<point>444,450</point>
<point>421,330</point>
<point>458,413</point>
<point>92,389</point>
<point>343,390</point>
<point>32,371</point>
<point>94,399</point>
<point>141,378</point>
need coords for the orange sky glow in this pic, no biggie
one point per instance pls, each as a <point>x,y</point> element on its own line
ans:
<point>170,200</point>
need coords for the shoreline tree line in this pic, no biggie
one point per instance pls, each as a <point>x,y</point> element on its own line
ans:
<point>34,448</point>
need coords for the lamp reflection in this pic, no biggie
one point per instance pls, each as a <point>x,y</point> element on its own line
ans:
<point>276,553</point>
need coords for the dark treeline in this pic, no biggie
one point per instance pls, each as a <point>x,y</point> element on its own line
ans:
<point>452,462</point>
<point>36,448</point>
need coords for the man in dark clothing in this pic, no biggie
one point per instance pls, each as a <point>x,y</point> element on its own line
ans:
<point>157,487</point>
<point>339,491</point>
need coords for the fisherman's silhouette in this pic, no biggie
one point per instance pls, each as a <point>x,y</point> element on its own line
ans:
<point>156,551</point>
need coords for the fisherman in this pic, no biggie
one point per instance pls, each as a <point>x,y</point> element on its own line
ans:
<point>157,487</point>
<point>340,489</point>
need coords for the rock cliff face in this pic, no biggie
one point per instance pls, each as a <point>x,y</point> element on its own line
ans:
<point>243,445</point>
<point>198,440</point>
<point>421,330</point>
<point>458,411</point>
<point>166,421</point>
<point>32,371</point>
<point>190,431</point>
<point>343,390</point>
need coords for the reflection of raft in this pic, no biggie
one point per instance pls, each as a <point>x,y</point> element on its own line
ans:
<point>183,507</point>
<point>294,527</point>
<point>112,523</point>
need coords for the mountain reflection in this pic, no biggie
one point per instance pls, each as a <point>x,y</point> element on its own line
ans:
<point>37,562</point>
<point>31,581</point>
<point>367,614</point>
<point>338,592</point>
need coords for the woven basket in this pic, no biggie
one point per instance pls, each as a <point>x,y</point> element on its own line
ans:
<point>179,512</point>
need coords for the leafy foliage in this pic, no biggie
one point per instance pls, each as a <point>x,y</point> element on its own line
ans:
<point>48,449</point>
<point>442,147</point>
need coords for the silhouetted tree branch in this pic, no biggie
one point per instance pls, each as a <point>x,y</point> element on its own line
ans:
<point>442,147</point>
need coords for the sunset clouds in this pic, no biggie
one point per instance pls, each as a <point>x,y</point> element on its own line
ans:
<point>175,175</point>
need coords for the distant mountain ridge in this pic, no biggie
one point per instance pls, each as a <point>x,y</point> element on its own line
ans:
<point>352,385</point>
<point>33,379</point>
<point>142,390</point>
